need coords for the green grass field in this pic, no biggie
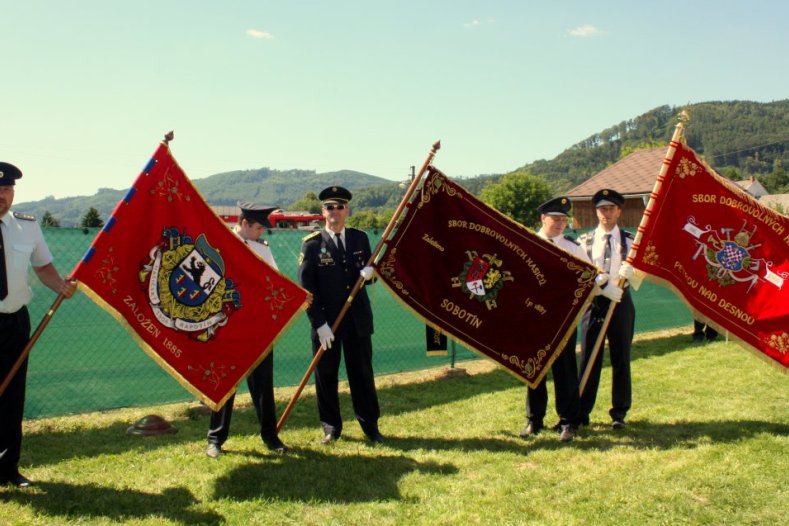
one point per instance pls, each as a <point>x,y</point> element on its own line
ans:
<point>706,443</point>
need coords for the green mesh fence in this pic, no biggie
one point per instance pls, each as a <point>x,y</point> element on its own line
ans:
<point>85,360</point>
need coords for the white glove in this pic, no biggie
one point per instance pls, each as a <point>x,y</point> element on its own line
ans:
<point>601,279</point>
<point>325,335</point>
<point>626,271</point>
<point>612,292</point>
<point>367,273</point>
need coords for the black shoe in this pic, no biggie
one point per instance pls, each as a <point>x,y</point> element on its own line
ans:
<point>275,444</point>
<point>618,424</point>
<point>531,429</point>
<point>568,433</point>
<point>16,479</point>
<point>698,338</point>
<point>583,421</point>
<point>328,438</point>
<point>376,437</point>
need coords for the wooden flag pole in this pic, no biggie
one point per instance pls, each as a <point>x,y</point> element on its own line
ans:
<point>672,148</point>
<point>33,339</point>
<point>359,282</point>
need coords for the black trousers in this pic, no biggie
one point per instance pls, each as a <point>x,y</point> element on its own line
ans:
<point>261,388</point>
<point>358,353</point>
<point>565,388</point>
<point>701,330</point>
<point>14,335</point>
<point>620,337</point>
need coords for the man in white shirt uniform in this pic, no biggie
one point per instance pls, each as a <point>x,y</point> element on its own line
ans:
<point>21,245</point>
<point>554,216</point>
<point>252,222</point>
<point>607,247</point>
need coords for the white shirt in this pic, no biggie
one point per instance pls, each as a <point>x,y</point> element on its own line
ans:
<point>24,245</point>
<point>568,246</point>
<point>260,249</point>
<point>598,249</point>
<point>335,235</point>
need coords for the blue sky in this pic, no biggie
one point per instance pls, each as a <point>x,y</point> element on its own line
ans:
<point>89,87</point>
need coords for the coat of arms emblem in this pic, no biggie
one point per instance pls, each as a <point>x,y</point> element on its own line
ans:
<point>187,286</point>
<point>482,278</point>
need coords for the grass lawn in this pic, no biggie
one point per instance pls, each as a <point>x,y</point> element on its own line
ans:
<point>707,442</point>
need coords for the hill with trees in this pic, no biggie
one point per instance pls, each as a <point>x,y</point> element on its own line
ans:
<point>739,139</point>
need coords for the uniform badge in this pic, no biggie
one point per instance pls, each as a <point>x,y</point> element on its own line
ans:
<point>187,286</point>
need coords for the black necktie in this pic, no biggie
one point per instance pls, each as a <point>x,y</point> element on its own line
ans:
<point>3,275</point>
<point>338,238</point>
<point>607,253</point>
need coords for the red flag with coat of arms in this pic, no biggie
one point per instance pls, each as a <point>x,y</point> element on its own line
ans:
<point>195,298</point>
<point>725,253</point>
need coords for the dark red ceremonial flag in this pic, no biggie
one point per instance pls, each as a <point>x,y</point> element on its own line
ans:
<point>725,253</point>
<point>190,292</point>
<point>484,279</point>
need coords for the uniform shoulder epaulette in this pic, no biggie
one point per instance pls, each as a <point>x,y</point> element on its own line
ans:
<point>628,234</point>
<point>570,239</point>
<point>311,235</point>
<point>586,235</point>
<point>264,242</point>
<point>24,217</point>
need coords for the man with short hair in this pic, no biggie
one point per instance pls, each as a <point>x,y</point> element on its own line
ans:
<point>21,244</point>
<point>330,263</point>
<point>252,222</point>
<point>554,216</point>
<point>607,247</point>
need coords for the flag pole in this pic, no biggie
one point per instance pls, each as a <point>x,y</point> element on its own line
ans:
<point>672,148</point>
<point>169,136</point>
<point>360,282</point>
<point>33,339</point>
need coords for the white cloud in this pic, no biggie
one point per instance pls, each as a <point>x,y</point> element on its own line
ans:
<point>256,33</point>
<point>473,23</point>
<point>585,31</point>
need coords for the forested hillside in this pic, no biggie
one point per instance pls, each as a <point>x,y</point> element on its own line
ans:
<point>739,139</point>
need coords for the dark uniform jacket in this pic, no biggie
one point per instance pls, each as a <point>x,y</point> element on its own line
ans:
<point>330,278</point>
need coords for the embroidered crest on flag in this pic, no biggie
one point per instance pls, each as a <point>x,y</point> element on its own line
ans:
<point>731,258</point>
<point>186,285</point>
<point>482,278</point>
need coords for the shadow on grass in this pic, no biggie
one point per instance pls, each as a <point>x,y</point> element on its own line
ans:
<point>87,501</point>
<point>641,434</point>
<point>310,476</point>
<point>46,446</point>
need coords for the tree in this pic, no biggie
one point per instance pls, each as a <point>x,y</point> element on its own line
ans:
<point>49,220</point>
<point>91,219</point>
<point>309,203</point>
<point>517,195</point>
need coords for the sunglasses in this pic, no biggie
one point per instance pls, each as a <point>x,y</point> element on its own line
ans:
<point>334,207</point>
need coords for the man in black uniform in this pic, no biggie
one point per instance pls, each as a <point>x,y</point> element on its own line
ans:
<point>21,244</point>
<point>252,221</point>
<point>330,263</point>
<point>607,247</point>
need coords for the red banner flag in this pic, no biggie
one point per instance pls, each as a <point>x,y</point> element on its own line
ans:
<point>721,250</point>
<point>485,280</point>
<point>190,292</point>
